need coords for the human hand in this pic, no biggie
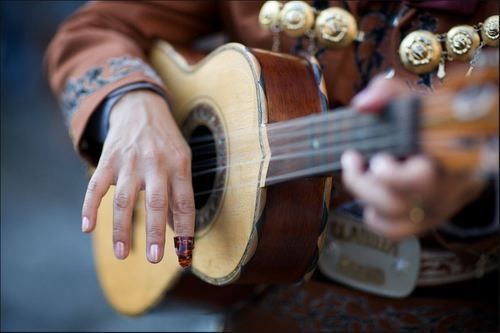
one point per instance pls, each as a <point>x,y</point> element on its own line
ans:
<point>144,150</point>
<point>403,198</point>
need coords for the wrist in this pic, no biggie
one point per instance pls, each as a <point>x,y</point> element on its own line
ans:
<point>135,104</point>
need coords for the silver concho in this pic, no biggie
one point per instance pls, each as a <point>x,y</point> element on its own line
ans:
<point>335,27</point>
<point>269,16</point>
<point>490,31</point>
<point>297,17</point>
<point>420,51</point>
<point>462,42</point>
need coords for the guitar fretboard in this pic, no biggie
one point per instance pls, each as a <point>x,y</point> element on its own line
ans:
<point>313,145</point>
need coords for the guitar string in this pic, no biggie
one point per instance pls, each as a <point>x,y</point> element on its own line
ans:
<point>325,167</point>
<point>328,130</point>
<point>277,154</point>
<point>445,142</point>
<point>336,129</point>
<point>298,122</point>
<point>300,140</point>
<point>334,149</point>
<point>439,104</point>
<point>339,114</point>
<point>436,142</point>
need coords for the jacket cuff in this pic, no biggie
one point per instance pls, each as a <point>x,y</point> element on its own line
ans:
<point>83,95</point>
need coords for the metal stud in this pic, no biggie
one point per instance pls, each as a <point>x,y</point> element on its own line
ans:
<point>490,31</point>
<point>269,15</point>
<point>297,17</point>
<point>462,42</point>
<point>335,27</point>
<point>420,52</point>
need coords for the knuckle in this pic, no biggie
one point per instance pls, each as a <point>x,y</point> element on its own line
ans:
<point>105,163</point>
<point>131,157</point>
<point>122,200</point>
<point>157,201</point>
<point>119,231</point>
<point>182,161</point>
<point>152,157</point>
<point>155,232</point>
<point>93,186</point>
<point>183,206</point>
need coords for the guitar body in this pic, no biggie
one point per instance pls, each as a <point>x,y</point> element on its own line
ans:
<point>246,232</point>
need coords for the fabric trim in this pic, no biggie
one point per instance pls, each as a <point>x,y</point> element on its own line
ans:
<point>97,77</point>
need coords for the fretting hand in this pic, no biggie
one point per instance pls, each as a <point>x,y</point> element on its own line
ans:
<point>402,198</point>
<point>144,150</point>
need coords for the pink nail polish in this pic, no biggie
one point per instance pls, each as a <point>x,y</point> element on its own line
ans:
<point>85,224</point>
<point>154,253</point>
<point>120,250</point>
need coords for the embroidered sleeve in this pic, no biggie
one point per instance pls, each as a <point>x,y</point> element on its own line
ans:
<point>77,89</point>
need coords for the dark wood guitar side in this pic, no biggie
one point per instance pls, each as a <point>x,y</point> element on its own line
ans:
<point>296,209</point>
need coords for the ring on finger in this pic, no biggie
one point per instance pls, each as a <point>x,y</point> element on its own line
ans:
<point>416,214</point>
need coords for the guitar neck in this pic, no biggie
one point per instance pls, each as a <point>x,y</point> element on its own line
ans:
<point>313,145</point>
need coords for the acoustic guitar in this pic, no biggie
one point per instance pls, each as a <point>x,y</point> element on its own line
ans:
<point>264,147</point>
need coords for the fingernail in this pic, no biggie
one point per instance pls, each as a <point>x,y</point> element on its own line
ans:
<point>184,248</point>
<point>85,224</point>
<point>378,165</point>
<point>154,253</point>
<point>120,250</point>
<point>346,159</point>
<point>361,98</point>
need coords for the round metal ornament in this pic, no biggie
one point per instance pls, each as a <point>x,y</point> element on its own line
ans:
<point>269,15</point>
<point>462,42</point>
<point>335,27</point>
<point>490,31</point>
<point>420,52</point>
<point>297,17</point>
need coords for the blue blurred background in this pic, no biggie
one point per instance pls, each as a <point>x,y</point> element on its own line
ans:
<point>48,281</point>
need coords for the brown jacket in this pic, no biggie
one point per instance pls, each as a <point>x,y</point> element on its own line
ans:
<point>104,45</point>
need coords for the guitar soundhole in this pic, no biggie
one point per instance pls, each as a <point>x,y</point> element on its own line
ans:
<point>203,165</point>
<point>204,134</point>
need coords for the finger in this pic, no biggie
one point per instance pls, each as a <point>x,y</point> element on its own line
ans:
<point>416,174</point>
<point>156,213</point>
<point>124,202</point>
<point>183,212</point>
<point>378,93</point>
<point>183,208</point>
<point>394,229</point>
<point>352,161</point>
<point>367,188</point>
<point>98,185</point>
